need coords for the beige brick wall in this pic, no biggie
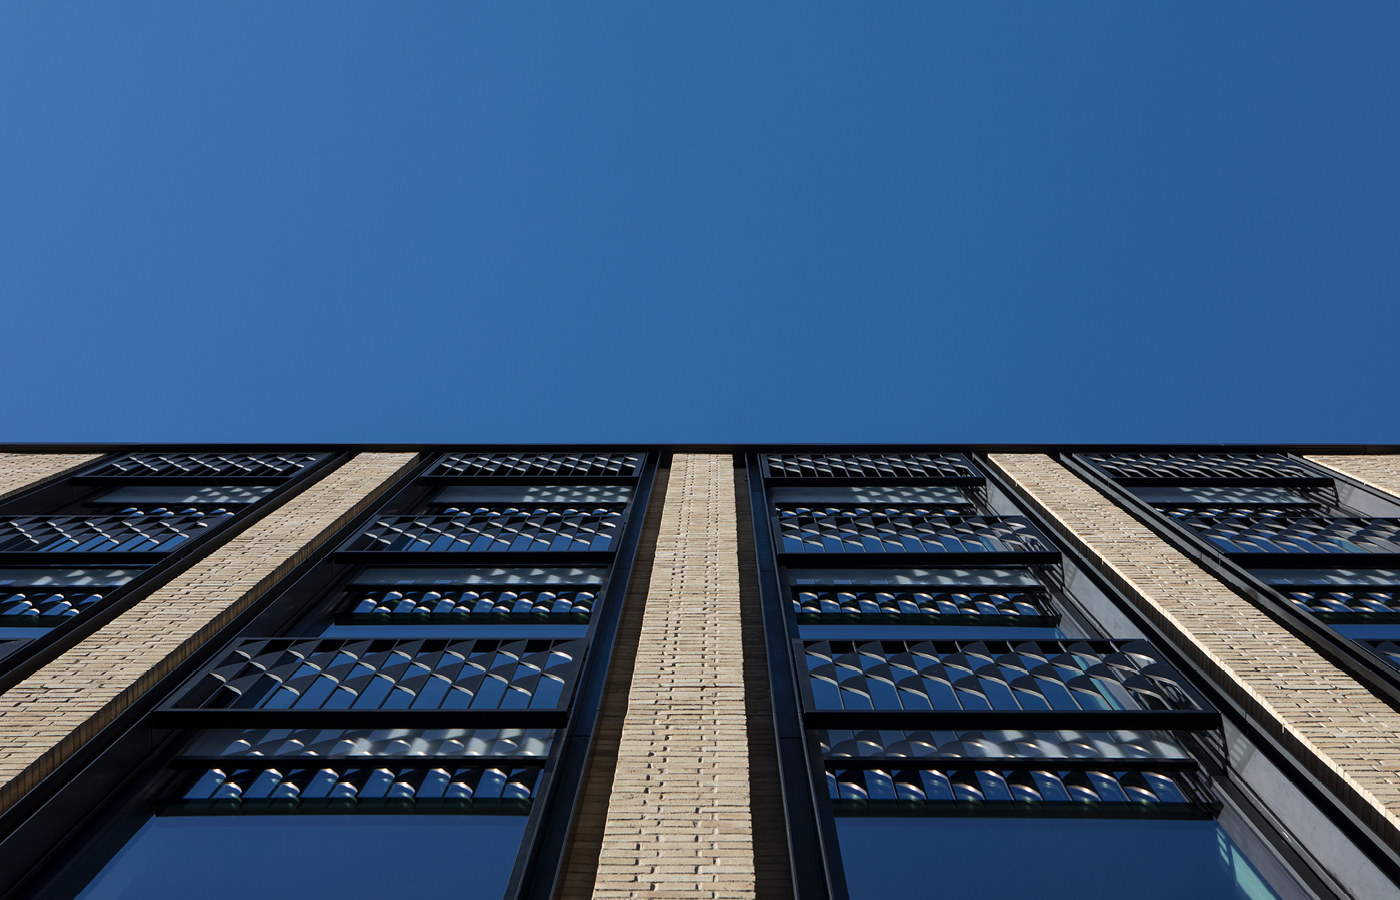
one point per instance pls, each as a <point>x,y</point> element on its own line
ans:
<point>1380,472</point>
<point>49,715</point>
<point>678,822</point>
<point>1344,734</point>
<point>23,470</point>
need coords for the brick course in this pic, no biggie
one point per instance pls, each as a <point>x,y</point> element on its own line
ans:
<point>49,715</point>
<point>678,821</point>
<point>1339,730</point>
<point>19,471</point>
<point>1380,472</point>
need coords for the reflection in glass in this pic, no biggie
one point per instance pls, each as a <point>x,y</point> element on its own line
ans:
<point>1226,496</point>
<point>480,575</point>
<point>840,496</point>
<point>970,577</point>
<point>1073,859</point>
<point>348,857</point>
<point>162,494</point>
<point>535,494</point>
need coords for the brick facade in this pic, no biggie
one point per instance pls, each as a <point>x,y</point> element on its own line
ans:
<point>1380,472</point>
<point>19,471</point>
<point>678,822</point>
<point>49,715</point>
<point>1339,730</point>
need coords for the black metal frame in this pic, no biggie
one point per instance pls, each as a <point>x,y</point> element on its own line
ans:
<point>161,567</point>
<point>107,775</point>
<point>805,792</point>
<point>162,726</point>
<point>1358,660</point>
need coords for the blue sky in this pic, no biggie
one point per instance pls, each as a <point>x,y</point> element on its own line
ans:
<point>700,222</point>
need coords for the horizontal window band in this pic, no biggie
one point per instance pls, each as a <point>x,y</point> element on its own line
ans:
<point>398,619</point>
<point>918,619</point>
<point>462,557</point>
<point>1312,560</point>
<point>1016,719</point>
<point>858,560</point>
<point>872,482</point>
<point>529,480</point>
<point>179,480</point>
<point>361,718</point>
<point>397,761</point>
<point>1021,764</point>
<point>344,806</point>
<point>1260,481</point>
<point>89,558</point>
<point>1024,809</point>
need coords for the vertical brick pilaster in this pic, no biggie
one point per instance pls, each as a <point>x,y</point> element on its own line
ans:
<point>678,821</point>
<point>1379,472</point>
<point>49,715</point>
<point>19,471</point>
<point>1334,726</point>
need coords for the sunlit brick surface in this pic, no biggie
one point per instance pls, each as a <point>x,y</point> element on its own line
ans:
<point>22,470</point>
<point>678,820</point>
<point>1336,727</point>
<point>1380,472</point>
<point>49,715</point>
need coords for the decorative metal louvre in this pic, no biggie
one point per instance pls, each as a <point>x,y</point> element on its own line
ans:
<point>300,788</point>
<point>981,605</point>
<point>204,465</point>
<point>870,465</point>
<point>561,465</point>
<point>326,673</point>
<point>1200,465</point>
<point>991,675</point>
<point>45,605</point>
<point>1354,605</point>
<point>954,789</point>
<point>155,532</point>
<point>903,530</point>
<point>1050,747</point>
<point>417,602</point>
<point>1249,532</point>
<point>495,530</point>
<point>387,742</point>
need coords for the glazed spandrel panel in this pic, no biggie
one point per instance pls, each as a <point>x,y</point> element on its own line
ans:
<point>206,465</point>
<point>874,466</point>
<point>495,531</point>
<point>991,675</point>
<point>330,673</point>
<point>553,465</point>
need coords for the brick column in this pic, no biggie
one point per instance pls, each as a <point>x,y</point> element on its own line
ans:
<point>678,819</point>
<point>49,715</point>
<point>1379,472</point>
<point>19,471</point>
<point>1329,722</point>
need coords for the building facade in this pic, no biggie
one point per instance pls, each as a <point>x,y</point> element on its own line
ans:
<point>774,672</point>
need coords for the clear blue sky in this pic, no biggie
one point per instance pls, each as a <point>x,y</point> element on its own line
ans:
<point>700,221</point>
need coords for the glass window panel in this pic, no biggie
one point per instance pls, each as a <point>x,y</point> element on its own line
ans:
<point>480,575</point>
<point>1049,860</point>
<point>1227,496</point>
<point>533,630</point>
<point>1009,577</point>
<point>925,633</point>
<point>513,494</point>
<point>67,577</point>
<point>870,495</point>
<point>155,493</point>
<point>346,857</point>
<point>336,742</point>
<point>1329,576</point>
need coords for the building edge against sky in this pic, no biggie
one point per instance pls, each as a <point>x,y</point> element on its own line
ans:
<point>822,672</point>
